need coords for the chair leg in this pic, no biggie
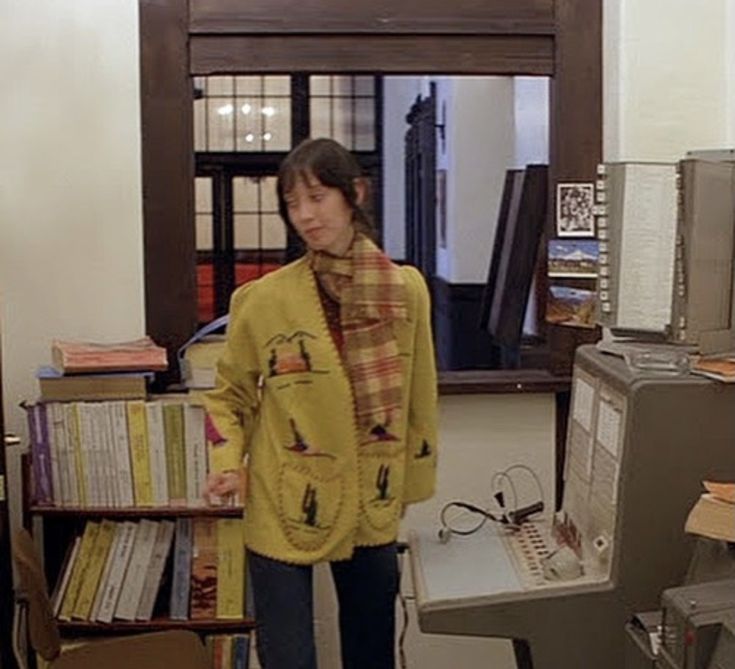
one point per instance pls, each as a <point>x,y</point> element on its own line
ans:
<point>20,645</point>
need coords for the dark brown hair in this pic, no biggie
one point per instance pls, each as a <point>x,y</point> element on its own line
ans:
<point>333,166</point>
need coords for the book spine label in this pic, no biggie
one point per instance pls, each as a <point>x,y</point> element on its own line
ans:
<point>155,570</point>
<point>67,468</point>
<point>71,424</point>
<point>173,422</point>
<point>132,588</point>
<point>57,435</point>
<point>98,557</point>
<point>40,457</point>
<point>121,561</point>
<point>121,448</point>
<point>104,578</point>
<point>91,469</point>
<point>140,455</point>
<point>157,448</point>
<point>230,568</point>
<point>196,454</point>
<point>80,567</point>
<point>179,605</point>
<point>204,570</point>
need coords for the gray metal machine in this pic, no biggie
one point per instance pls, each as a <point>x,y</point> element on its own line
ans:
<point>638,446</point>
<point>697,629</point>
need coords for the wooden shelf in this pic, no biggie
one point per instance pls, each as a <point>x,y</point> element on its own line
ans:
<point>136,512</point>
<point>83,628</point>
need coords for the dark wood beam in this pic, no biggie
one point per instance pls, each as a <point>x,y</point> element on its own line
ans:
<point>389,54</point>
<point>168,173</point>
<point>416,17</point>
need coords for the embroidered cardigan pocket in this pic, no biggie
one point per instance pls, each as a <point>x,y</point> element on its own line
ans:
<point>308,505</point>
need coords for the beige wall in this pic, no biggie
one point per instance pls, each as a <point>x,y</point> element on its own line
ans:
<point>70,193</point>
<point>668,77</point>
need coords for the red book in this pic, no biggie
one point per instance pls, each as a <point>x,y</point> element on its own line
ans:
<point>75,357</point>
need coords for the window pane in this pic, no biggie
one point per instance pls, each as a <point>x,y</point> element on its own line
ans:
<point>249,85</point>
<point>364,85</point>
<point>274,232</point>
<point>365,125</point>
<point>249,124</point>
<point>342,86</point>
<point>200,125</point>
<point>276,119</point>
<point>320,109</point>
<point>205,292</point>
<point>221,85</point>
<point>247,234</point>
<point>319,85</point>
<point>244,195</point>
<point>268,199</point>
<point>342,109</point>
<point>221,125</point>
<point>203,195</point>
<point>278,85</point>
<point>204,232</point>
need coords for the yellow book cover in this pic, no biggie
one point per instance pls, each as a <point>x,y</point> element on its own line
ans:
<point>173,425</point>
<point>97,559</point>
<point>71,419</point>
<point>230,568</point>
<point>140,454</point>
<point>78,571</point>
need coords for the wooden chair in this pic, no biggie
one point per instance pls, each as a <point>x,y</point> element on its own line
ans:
<point>177,648</point>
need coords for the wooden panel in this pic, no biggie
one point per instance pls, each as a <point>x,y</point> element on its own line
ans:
<point>473,382</point>
<point>576,91</point>
<point>168,173</point>
<point>390,54</point>
<point>576,129</point>
<point>379,16</point>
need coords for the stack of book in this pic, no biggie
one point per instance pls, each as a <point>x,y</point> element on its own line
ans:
<point>118,454</point>
<point>713,515</point>
<point>93,371</point>
<point>128,571</point>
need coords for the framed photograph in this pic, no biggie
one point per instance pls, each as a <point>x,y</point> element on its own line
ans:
<point>567,305</point>
<point>575,210</point>
<point>573,258</point>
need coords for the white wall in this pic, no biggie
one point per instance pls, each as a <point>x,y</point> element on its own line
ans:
<point>480,147</point>
<point>531,119</point>
<point>399,93</point>
<point>667,78</point>
<point>70,194</point>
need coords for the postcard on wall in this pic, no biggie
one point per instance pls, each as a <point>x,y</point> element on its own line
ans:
<point>575,210</point>
<point>571,306</point>
<point>573,258</point>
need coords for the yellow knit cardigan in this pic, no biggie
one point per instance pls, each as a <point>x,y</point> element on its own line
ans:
<point>317,488</point>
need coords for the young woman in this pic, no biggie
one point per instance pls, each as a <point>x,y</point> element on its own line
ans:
<point>328,385</point>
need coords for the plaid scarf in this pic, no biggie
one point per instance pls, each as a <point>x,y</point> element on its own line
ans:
<point>371,293</point>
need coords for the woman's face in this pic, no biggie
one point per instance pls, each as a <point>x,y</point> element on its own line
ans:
<point>320,215</point>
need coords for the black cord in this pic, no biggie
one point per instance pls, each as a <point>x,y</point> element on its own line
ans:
<point>401,548</point>
<point>511,517</point>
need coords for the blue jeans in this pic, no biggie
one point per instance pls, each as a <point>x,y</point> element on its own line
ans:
<point>367,586</point>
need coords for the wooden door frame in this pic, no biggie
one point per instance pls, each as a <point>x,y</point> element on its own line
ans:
<point>178,38</point>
